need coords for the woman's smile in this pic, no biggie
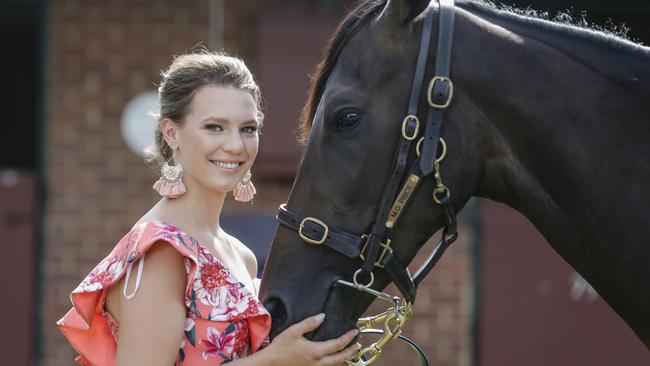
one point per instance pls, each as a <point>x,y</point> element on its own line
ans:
<point>227,166</point>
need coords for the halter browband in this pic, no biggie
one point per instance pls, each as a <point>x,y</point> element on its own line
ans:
<point>374,248</point>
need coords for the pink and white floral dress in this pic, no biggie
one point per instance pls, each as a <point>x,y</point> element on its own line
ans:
<point>224,319</point>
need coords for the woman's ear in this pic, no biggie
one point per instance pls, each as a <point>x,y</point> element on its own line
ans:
<point>169,130</point>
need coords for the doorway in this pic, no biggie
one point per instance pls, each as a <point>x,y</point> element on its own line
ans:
<point>21,36</point>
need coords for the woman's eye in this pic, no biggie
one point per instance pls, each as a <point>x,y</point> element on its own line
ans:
<point>214,127</point>
<point>249,129</point>
<point>347,118</point>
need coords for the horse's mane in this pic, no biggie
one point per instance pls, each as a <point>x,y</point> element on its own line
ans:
<point>568,22</point>
<point>356,19</point>
<point>611,35</point>
<point>576,20</point>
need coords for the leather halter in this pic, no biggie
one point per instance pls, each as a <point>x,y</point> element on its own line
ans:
<point>374,248</point>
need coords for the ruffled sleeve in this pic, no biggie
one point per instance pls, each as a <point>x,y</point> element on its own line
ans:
<point>85,324</point>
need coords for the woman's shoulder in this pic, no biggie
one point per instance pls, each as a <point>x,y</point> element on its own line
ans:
<point>146,233</point>
<point>133,245</point>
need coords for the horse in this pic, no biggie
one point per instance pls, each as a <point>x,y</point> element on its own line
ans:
<point>550,119</point>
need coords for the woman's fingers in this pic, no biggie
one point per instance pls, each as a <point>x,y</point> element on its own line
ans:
<point>306,326</point>
<point>339,358</point>
<point>337,344</point>
<point>326,353</point>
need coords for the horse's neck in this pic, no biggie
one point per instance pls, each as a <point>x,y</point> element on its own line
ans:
<point>568,145</point>
<point>546,105</point>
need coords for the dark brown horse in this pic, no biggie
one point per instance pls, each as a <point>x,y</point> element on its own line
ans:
<point>551,119</point>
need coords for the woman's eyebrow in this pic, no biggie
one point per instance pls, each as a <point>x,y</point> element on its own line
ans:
<point>216,119</point>
<point>226,120</point>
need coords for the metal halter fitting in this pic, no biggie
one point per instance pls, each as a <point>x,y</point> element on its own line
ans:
<point>374,248</point>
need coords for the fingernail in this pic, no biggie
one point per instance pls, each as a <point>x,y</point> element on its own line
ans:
<point>320,317</point>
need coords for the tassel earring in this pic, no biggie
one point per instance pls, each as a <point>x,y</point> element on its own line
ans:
<point>170,184</point>
<point>245,190</point>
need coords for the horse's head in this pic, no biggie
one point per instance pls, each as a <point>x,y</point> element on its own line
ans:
<point>353,125</point>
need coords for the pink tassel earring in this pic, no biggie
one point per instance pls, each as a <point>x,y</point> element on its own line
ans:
<point>170,184</point>
<point>245,190</point>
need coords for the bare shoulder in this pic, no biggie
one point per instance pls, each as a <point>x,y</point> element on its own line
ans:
<point>163,281</point>
<point>156,312</point>
<point>165,262</point>
<point>246,254</point>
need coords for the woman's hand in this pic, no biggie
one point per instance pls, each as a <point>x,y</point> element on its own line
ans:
<point>292,348</point>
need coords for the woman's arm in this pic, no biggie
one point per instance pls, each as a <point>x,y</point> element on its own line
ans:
<point>152,322</point>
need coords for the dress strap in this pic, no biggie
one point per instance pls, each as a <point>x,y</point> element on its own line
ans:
<point>137,278</point>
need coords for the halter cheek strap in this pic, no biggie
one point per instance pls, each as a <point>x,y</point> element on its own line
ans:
<point>440,89</point>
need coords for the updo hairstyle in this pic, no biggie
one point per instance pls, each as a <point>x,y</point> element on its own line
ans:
<point>187,74</point>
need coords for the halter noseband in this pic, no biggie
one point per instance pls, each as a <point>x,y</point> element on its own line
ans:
<point>375,248</point>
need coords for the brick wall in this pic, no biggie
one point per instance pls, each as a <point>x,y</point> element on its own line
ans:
<point>101,54</point>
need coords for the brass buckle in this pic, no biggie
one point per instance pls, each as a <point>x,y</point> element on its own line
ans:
<point>386,249</point>
<point>310,240</point>
<point>417,127</point>
<point>430,92</point>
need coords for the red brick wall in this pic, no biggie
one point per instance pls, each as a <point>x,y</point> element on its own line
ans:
<point>103,53</point>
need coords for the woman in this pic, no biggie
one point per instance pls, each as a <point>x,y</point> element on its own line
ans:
<point>194,302</point>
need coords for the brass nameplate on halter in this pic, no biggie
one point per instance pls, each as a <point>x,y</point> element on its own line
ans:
<point>402,199</point>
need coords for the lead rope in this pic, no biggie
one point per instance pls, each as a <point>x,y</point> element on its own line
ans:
<point>418,351</point>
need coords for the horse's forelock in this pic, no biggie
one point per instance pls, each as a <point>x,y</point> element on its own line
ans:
<point>364,11</point>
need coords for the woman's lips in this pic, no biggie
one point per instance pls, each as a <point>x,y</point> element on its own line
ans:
<point>228,166</point>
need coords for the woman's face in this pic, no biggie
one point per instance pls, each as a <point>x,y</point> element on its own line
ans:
<point>218,141</point>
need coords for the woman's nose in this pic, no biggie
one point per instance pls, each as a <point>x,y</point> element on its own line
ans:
<point>234,143</point>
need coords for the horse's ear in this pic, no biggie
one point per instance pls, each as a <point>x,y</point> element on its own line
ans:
<point>403,11</point>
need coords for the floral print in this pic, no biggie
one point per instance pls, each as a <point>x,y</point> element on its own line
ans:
<point>214,287</point>
<point>102,275</point>
<point>212,283</point>
<point>224,319</point>
<point>227,344</point>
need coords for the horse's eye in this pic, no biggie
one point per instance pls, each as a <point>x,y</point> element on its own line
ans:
<point>347,118</point>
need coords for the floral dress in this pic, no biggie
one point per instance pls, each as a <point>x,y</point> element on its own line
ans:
<point>224,319</point>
